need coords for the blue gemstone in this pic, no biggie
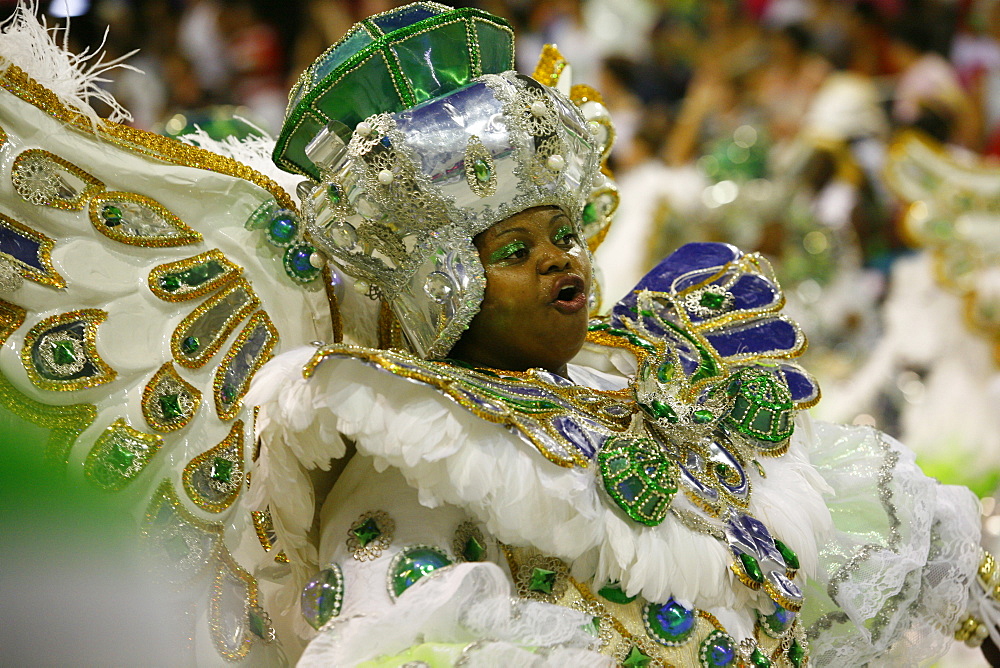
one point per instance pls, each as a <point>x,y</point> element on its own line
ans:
<point>283,228</point>
<point>779,621</point>
<point>413,564</point>
<point>720,652</point>
<point>297,262</point>
<point>670,622</point>
<point>630,488</point>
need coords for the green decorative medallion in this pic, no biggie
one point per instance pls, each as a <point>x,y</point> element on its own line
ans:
<point>119,456</point>
<point>542,580</point>
<point>370,534</point>
<point>762,408</point>
<point>636,474</point>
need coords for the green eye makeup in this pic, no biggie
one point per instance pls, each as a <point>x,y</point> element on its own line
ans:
<point>563,233</point>
<point>506,251</point>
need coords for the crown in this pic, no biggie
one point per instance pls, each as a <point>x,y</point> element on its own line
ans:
<point>396,201</point>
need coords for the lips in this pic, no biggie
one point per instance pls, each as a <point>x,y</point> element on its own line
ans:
<point>568,294</point>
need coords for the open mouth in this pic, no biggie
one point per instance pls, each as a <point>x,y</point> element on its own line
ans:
<point>568,294</point>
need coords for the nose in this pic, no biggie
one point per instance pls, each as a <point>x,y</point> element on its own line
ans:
<point>553,259</point>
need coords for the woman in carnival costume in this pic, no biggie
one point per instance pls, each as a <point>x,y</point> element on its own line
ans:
<point>503,480</point>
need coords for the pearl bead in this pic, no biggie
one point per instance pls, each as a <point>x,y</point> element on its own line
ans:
<point>385,177</point>
<point>594,126</point>
<point>317,260</point>
<point>364,128</point>
<point>556,162</point>
<point>361,287</point>
<point>538,108</point>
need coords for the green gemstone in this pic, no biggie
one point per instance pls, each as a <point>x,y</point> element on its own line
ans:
<point>222,470</point>
<point>228,393</point>
<point>712,300</point>
<point>170,282</point>
<point>616,465</point>
<point>170,406</point>
<point>791,559</point>
<point>482,170</point>
<point>662,410</point>
<point>367,531</point>
<point>64,352</point>
<point>542,580</point>
<point>589,213</point>
<point>723,469</point>
<point>751,567</point>
<point>415,563</point>
<point>759,660</point>
<point>258,623</point>
<point>615,594</point>
<point>111,212</point>
<point>665,372</point>
<point>473,550</point>
<point>333,193</point>
<point>796,653</point>
<point>636,659</point>
<point>121,458</point>
<point>702,416</point>
<point>190,345</point>
<point>763,421</point>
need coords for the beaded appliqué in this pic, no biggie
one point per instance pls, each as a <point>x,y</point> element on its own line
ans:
<point>212,479</point>
<point>709,301</point>
<point>201,333</point>
<point>138,220</point>
<point>60,352</point>
<point>480,170</point>
<point>44,179</point>
<point>670,623</point>
<point>323,596</point>
<point>235,618</point>
<point>541,578</point>
<point>29,251</point>
<point>168,401</point>
<point>119,456</point>
<point>181,544</point>
<point>413,563</point>
<point>636,474</point>
<point>192,277</point>
<point>469,543</point>
<point>370,534</point>
<point>248,353</point>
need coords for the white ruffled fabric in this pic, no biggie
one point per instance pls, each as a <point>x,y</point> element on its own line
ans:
<point>896,577</point>
<point>463,604</point>
<point>452,457</point>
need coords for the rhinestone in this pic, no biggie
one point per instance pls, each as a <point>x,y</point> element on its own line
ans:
<point>170,282</point>
<point>538,109</point>
<point>542,580</point>
<point>322,597</point>
<point>111,213</point>
<point>482,170</point>
<point>222,470</point>
<point>779,621</point>
<point>258,622</point>
<point>791,559</point>
<point>170,406</point>
<point>367,532</point>
<point>473,550</point>
<point>615,594</point>
<point>751,567</point>
<point>64,352</point>
<point>712,300</point>
<point>228,393</point>
<point>413,564</point>
<point>796,653</point>
<point>297,262</point>
<point>121,458</point>
<point>283,228</point>
<point>670,623</point>
<point>636,659</point>
<point>555,162</point>
<point>718,650</point>
<point>438,286</point>
<point>190,345</point>
<point>385,177</point>
<point>334,194</point>
<point>759,660</point>
<point>702,416</point>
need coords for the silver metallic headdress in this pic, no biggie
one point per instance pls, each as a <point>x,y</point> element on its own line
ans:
<point>398,201</point>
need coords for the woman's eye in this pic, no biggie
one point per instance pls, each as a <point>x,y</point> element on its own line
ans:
<point>515,250</point>
<point>565,235</point>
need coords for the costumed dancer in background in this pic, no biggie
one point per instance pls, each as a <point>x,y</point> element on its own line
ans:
<point>500,480</point>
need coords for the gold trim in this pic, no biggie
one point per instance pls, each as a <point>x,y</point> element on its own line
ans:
<point>155,529</point>
<point>91,185</point>
<point>11,318</point>
<point>225,566</point>
<point>154,413</point>
<point>186,235</point>
<point>230,272</point>
<point>17,82</point>
<point>229,449</point>
<point>106,474</point>
<point>48,275</point>
<point>551,64</point>
<point>264,353</point>
<point>90,318</point>
<point>204,352</point>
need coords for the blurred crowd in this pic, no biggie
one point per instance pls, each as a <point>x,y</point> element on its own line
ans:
<point>770,124</point>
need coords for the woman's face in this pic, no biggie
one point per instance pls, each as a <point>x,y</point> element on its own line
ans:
<point>535,311</point>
